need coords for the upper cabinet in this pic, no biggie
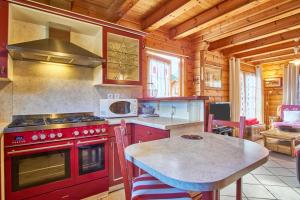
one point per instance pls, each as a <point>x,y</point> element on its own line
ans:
<point>3,39</point>
<point>123,54</point>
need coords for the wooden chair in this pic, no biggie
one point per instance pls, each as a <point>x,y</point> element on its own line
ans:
<point>241,126</point>
<point>135,188</point>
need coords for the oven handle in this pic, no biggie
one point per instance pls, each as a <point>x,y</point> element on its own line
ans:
<point>38,149</point>
<point>92,141</point>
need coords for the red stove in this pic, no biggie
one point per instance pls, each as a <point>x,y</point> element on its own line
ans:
<point>62,156</point>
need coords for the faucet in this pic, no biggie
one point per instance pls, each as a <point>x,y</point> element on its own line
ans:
<point>173,111</point>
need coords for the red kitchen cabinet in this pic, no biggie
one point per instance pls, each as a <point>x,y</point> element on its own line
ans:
<point>115,175</point>
<point>3,39</point>
<point>123,54</point>
<point>145,133</point>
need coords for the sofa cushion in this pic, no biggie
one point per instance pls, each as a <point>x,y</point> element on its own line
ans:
<point>291,116</point>
<point>292,124</point>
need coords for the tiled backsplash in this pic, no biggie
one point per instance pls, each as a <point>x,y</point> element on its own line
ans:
<point>48,88</point>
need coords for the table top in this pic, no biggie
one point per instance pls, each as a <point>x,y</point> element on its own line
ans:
<point>198,165</point>
<point>276,133</point>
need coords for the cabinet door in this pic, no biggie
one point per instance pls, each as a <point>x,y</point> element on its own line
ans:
<point>145,133</point>
<point>3,38</point>
<point>115,175</point>
<point>123,54</point>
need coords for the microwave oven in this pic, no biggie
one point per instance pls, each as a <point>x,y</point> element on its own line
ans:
<point>112,108</point>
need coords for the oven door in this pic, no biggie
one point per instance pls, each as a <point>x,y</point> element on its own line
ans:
<point>36,169</point>
<point>92,159</point>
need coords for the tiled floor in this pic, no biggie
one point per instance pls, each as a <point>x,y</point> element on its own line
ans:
<point>275,180</point>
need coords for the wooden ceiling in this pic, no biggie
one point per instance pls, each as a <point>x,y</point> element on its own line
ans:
<point>257,31</point>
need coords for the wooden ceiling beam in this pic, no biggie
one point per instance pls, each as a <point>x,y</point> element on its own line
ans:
<point>270,55</point>
<point>211,16</point>
<point>264,14</point>
<point>117,11</point>
<point>167,12</point>
<point>269,49</point>
<point>260,32</point>
<point>268,41</point>
<point>278,59</point>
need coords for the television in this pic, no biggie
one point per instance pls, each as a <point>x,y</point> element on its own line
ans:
<point>220,110</point>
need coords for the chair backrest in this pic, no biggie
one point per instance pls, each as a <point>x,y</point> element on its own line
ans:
<point>240,125</point>
<point>126,166</point>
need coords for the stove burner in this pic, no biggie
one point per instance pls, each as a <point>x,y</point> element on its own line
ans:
<point>26,122</point>
<point>74,119</point>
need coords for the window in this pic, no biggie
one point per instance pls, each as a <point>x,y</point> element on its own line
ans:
<point>248,95</point>
<point>164,75</point>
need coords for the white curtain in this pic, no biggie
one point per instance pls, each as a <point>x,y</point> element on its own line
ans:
<point>259,95</point>
<point>159,77</point>
<point>234,88</point>
<point>290,84</point>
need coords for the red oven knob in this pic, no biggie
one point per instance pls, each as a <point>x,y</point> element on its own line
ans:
<point>85,132</point>
<point>52,135</point>
<point>98,130</point>
<point>76,133</point>
<point>43,136</point>
<point>103,130</point>
<point>60,135</point>
<point>34,137</point>
<point>92,131</point>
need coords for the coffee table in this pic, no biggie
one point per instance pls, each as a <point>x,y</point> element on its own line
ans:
<point>280,141</point>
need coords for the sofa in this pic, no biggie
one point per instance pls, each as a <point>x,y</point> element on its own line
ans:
<point>289,116</point>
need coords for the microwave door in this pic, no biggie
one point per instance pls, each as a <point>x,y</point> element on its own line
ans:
<point>120,108</point>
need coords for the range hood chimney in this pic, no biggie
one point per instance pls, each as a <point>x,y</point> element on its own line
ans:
<point>55,49</point>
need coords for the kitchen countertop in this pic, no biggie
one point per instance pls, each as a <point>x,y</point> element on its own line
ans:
<point>155,122</point>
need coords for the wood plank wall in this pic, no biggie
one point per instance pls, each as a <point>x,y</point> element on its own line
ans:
<point>273,96</point>
<point>160,41</point>
<point>206,58</point>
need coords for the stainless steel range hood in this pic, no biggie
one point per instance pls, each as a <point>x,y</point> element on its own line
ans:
<point>56,49</point>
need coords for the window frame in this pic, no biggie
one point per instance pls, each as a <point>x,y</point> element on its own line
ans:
<point>150,56</point>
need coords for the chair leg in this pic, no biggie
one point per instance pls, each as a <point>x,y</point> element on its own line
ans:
<point>239,189</point>
<point>211,195</point>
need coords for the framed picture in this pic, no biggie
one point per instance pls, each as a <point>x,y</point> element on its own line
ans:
<point>273,82</point>
<point>213,77</point>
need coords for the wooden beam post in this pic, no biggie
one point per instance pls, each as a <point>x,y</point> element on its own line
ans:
<point>211,16</point>
<point>117,11</point>
<point>167,12</point>
<point>269,49</point>
<point>270,55</point>
<point>263,14</point>
<point>273,28</point>
<point>268,41</point>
